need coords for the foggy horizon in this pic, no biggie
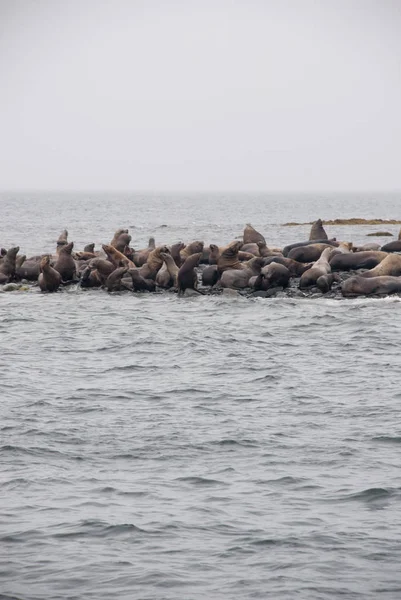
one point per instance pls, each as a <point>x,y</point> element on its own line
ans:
<point>226,97</point>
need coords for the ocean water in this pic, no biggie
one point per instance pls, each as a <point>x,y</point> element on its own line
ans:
<point>156,447</point>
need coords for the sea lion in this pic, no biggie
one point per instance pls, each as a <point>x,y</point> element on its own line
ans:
<point>317,231</point>
<point>122,242</point>
<point>214,254</point>
<point>154,263</point>
<point>239,278</point>
<point>103,267</point>
<point>368,246</point>
<point>116,257</point>
<point>252,248</point>
<point>192,248</point>
<point>62,241</point>
<point>309,253</point>
<point>90,277</point>
<point>210,275</point>
<point>140,284</point>
<point>116,236</point>
<point>49,279</point>
<point>356,260</point>
<point>19,261</point>
<point>89,248</point>
<point>8,265</point>
<point>167,275</point>
<point>390,265</point>
<point>320,267</point>
<point>251,236</point>
<point>273,275</point>
<point>394,246</point>
<point>141,256</point>
<point>187,277</point>
<point>286,250</point>
<point>366,286</point>
<point>114,281</point>
<point>29,270</point>
<point>295,268</point>
<point>65,264</point>
<point>228,258</point>
<point>175,251</point>
<point>325,282</point>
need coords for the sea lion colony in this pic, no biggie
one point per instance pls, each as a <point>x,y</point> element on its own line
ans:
<point>319,265</point>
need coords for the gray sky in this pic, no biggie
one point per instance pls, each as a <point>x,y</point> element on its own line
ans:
<point>200,95</point>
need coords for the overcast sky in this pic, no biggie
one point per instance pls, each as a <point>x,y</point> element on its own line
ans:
<point>200,95</point>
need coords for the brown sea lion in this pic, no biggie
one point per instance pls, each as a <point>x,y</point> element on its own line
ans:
<point>320,267</point>
<point>49,279</point>
<point>309,253</point>
<point>65,264</point>
<point>122,241</point>
<point>214,254</point>
<point>29,270</point>
<point>239,278</point>
<point>103,267</point>
<point>192,248</point>
<point>89,248</point>
<point>251,236</point>
<point>154,263</point>
<point>167,275</point>
<point>187,277</point>
<point>116,236</point>
<point>141,256</point>
<point>356,260</point>
<point>117,257</point>
<point>8,265</point>
<point>390,265</point>
<point>20,261</point>
<point>62,240</point>
<point>366,286</point>
<point>228,258</point>
<point>175,251</point>
<point>317,231</point>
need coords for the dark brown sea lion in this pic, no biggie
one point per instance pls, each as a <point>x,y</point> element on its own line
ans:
<point>289,247</point>
<point>275,275</point>
<point>49,279</point>
<point>295,268</point>
<point>89,248</point>
<point>91,277</point>
<point>394,246</point>
<point>308,253</point>
<point>325,282</point>
<point>317,231</point>
<point>29,270</point>
<point>8,265</point>
<point>356,260</point>
<point>140,284</point>
<point>210,275</point>
<point>113,282</point>
<point>366,286</point>
<point>187,277</point>
<point>20,261</point>
<point>214,254</point>
<point>239,278</point>
<point>320,267</point>
<point>391,265</point>
<point>251,236</point>
<point>65,264</point>
<point>167,275</point>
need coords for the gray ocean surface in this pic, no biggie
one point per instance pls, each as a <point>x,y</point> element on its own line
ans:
<point>156,447</point>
